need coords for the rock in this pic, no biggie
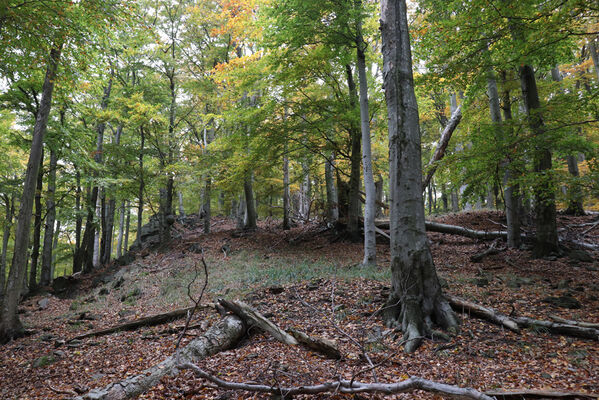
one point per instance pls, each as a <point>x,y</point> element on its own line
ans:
<point>563,302</point>
<point>87,316</point>
<point>65,287</point>
<point>43,361</point>
<point>276,289</point>
<point>43,303</point>
<point>59,354</point>
<point>580,256</point>
<point>564,284</point>
<point>118,283</point>
<point>516,281</point>
<point>97,376</point>
<point>48,337</point>
<point>104,291</point>
<point>126,259</point>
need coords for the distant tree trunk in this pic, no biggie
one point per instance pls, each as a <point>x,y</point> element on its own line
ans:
<point>140,193</point>
<point>96,248</point>
<point>110,211</point>
<point>77,255</point>
<point>127,225</point>
<point>353,201</point>
<point>594,55</point>
<point>250,205</point>
<point>9,204</point>
<point>332,199</point>
<point>511,193</point>
<point>54,246</point>
<point>369,187</point>
<point>181,206</point>
<point>46,275</point>
<point>207,210</point>
<point>380,192</point>
<point>37,226</point>
<point>305,193</point>
<point>455,203</point>
<point>575,196</point>
<point>544,188</point>
<point>240,211</point>
<point>10,325</point>
<point>119,240</point>
<point>286,195</point>
<point>416,299</point>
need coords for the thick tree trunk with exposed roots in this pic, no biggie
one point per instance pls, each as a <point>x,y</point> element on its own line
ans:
<point>416,300</point>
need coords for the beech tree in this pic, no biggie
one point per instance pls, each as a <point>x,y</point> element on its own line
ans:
<point>416,300</point>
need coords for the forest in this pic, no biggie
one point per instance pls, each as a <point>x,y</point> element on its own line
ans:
<point>299,199</point>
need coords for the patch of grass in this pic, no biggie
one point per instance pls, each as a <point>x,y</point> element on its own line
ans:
<point>43,361</point>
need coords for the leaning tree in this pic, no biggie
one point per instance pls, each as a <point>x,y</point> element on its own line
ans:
<point>416,300</point>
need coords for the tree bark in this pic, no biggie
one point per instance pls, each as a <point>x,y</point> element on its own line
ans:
<point>207,210</point>
<point>77,255</point>
<point>544,188</point>
<point>594,55</point>
<point>250,205</point>
<point>140,193</point>
<point>119,240</point>
<point>127,225</point>
<point>9,204</point>
<point>37,226</point>
<point>369,188</point>
<point>286,195</point>
<point>353,202</point>
<point>332,198</point>
<point>511,193</point>
<point>10,325</point>
<point>416,299</point>
<point>46,275</point>
<point>54,246</point>
<point>181,206</point>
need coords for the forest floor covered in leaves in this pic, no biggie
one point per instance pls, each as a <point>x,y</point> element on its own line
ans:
<point>278,272</point>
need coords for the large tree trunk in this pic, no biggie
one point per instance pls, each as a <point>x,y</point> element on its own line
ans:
<point>416,300</point>
<point>10,325</point>
<point>353,202</point>
<point>286,195</point>
<point>369,188</point>
<point>250,205</point>
<point>332,198</point>
<point>46,275</point>
<point>37,226</point>
<point>544,187</point>
<point>511,193</point>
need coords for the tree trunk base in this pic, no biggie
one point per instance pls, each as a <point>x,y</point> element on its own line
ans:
<point>11,331</point>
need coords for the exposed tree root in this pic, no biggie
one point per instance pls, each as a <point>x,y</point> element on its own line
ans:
<point>346,386</point>
<point>221,336</point>
<point>151,320</point>
<point>517,323</point>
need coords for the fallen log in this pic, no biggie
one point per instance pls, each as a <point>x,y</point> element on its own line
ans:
<point>151,320</point>
<point>320,345</point>
<point>221,336</point>
<point>467,307</point>
<point>540,394</point>
<point>252,317</point>
<point>346,386</point>
<point>451,126</point>
<point>576,323</point>
<point>453,230</point>
<point>495,317</point>
<point>493,249</point>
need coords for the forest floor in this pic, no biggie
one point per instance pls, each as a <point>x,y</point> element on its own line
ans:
<point>277,272</point>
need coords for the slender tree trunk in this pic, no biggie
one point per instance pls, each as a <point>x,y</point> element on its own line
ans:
<point>444,198</point>
<point>54,246</point>
<point>416,299</point>
<point>9,203</point>
<point>10,325</point>
<point>77,255</point>
<point>512,190</point>
<point>380,192</point>
<point>286,222</point>
<point>305,193</point>
<point>207,210</point>
<point>594,55</point>
<point>37,227</point>
<point>455,202</point>
<point>181,207</point>
<point>240,211</point>
<point>544,187</point>
<point>46,275</point>
<point>96,249</point>
<point>140,194</point>
<point>369,187</point>
<point>353,204</point>
<point>332,199</point>
<point>127,225</point>
<point>250,205</point>
<point>119,241</point>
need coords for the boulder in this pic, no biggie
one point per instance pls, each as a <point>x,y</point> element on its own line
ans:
<point>563,302</point>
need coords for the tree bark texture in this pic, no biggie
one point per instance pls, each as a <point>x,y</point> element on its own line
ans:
<point>286,194</point>
<point>37,226</point>
<point>250,205</point>
<point>332,197</point>
<point>10,325</point>
<point>140,193</point>
<point>119,240</point>
<point>9,204</point>
<point>353,202</point>
<point>369,188</point>
<point>594,55</point>
<point>46,275</point>
<point>77,256</point>
<point>416,300</point>
<point>544,188</point>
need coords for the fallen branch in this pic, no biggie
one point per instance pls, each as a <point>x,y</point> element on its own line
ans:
<point>221,336</point>
<point>320,345</point>
<point>495,317</point>
<point>576,323</point>
<point>477,310</point>
<point>252,317</point>
<point>151,320</point>
<point>346,386</point>
<point>493,249</point>
<point>452,124</point>
<point>453,230</point>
